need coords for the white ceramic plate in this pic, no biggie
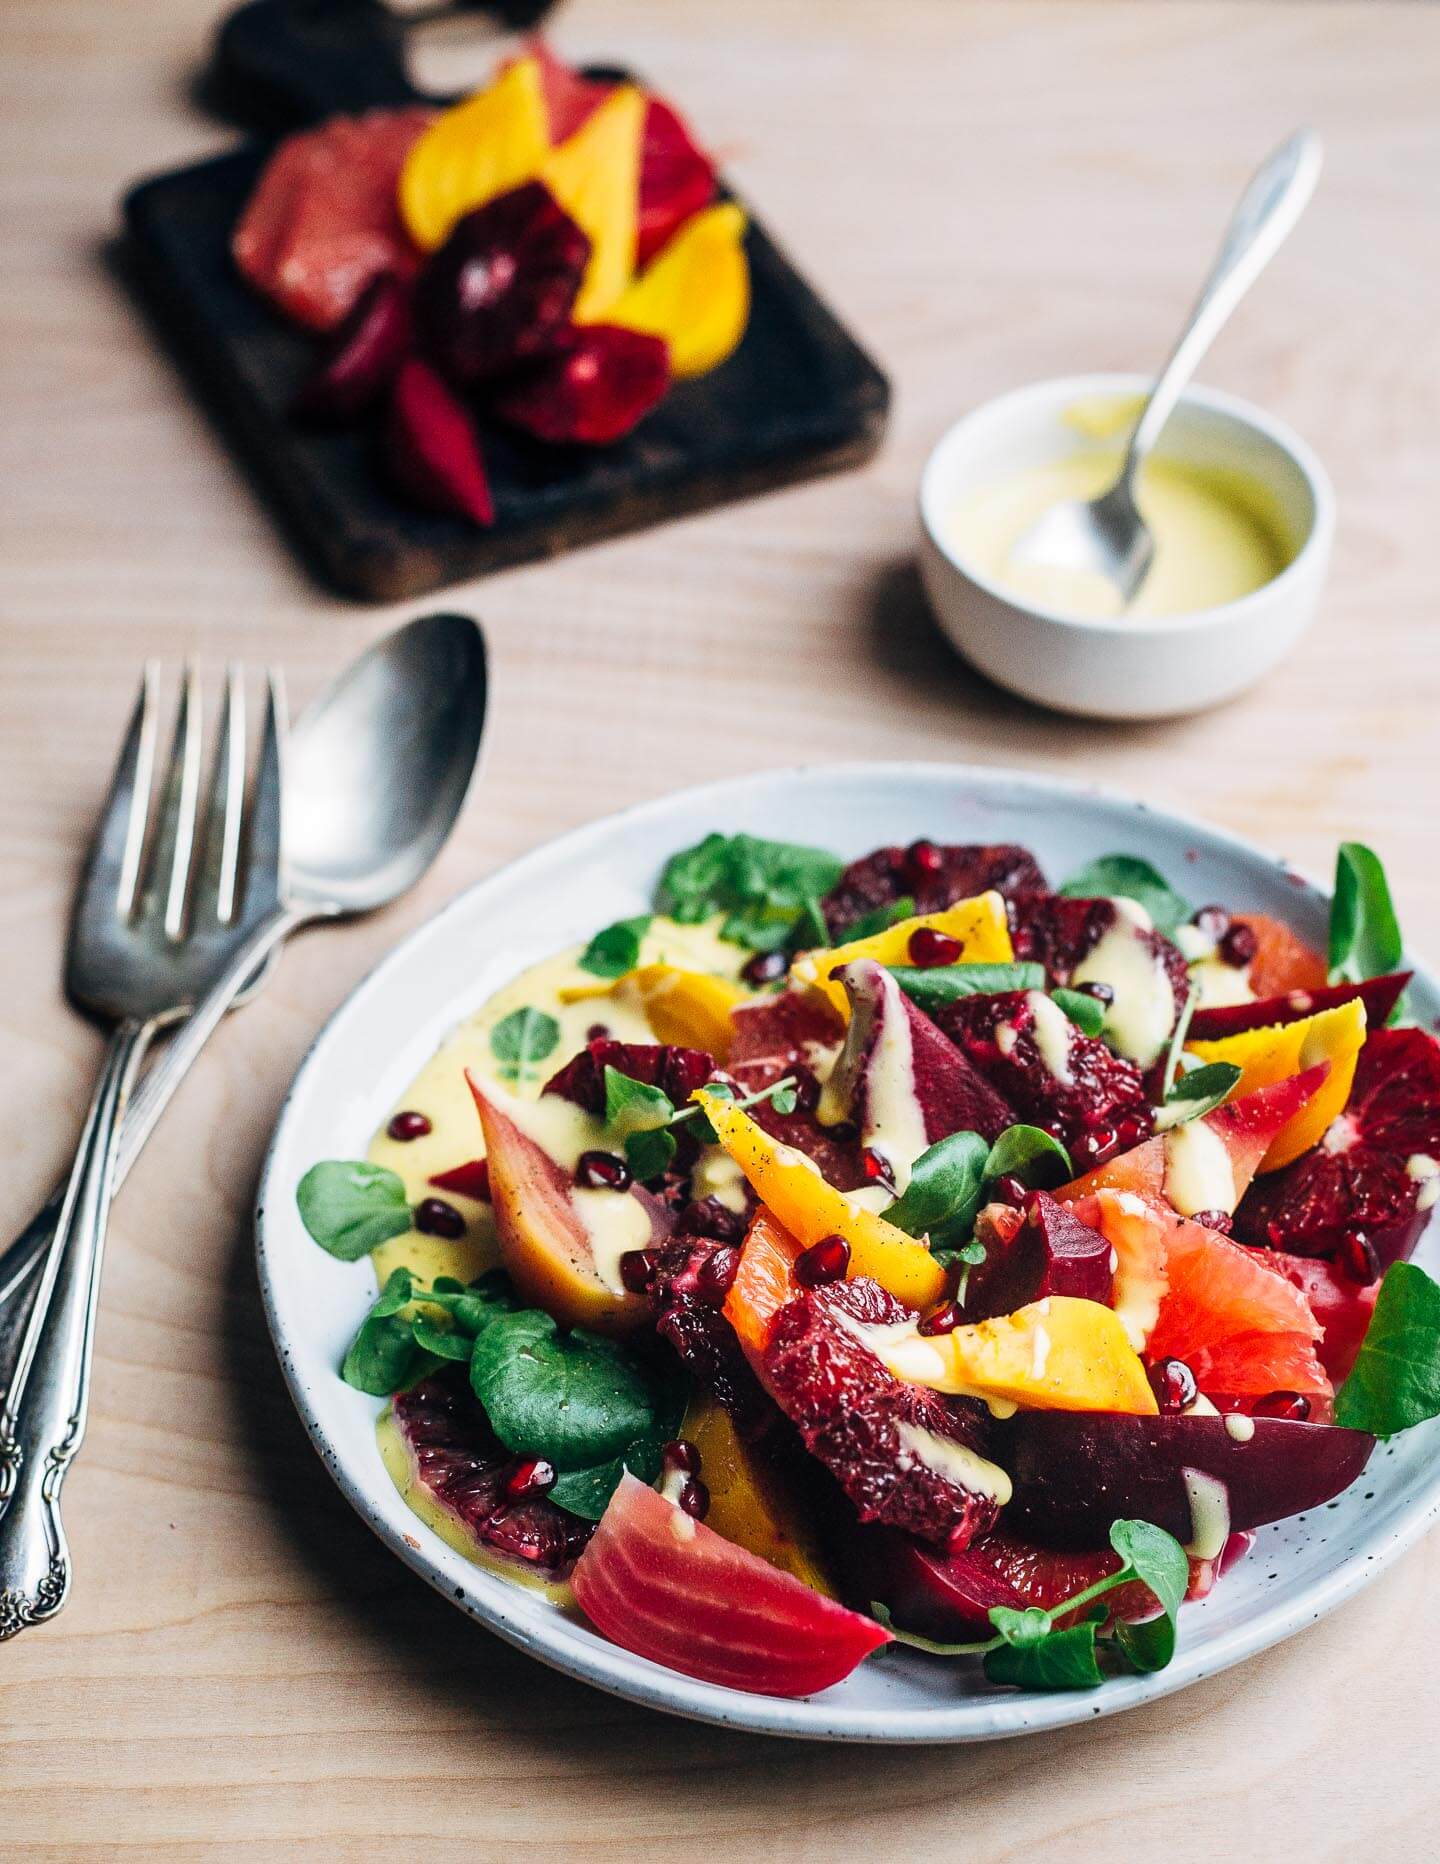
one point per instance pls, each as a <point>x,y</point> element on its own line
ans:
<point>379,1039</point>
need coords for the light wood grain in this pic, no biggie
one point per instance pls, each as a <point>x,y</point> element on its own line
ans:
<point>991,193</point>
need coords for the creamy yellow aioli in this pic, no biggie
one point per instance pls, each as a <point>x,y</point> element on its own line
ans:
<point>1214,540</point>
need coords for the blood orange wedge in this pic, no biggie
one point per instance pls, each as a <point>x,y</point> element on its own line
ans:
<point>1045,1576</point>
<point>1252,1365</point>
<point>1282,961</point>
<point>1218,1291</point>
<point>1135,1228</point>
<point>763,1283</point>
<point>1341,1306</point>
<point>1266,1055</point>
<point>667,1587</point>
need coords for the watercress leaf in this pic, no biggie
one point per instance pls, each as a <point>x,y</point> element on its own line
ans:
<point>472,1309</point>
<point>1086,1012</point>
<point>634,1107</point>
<point>398,1292</point>
<point>573,1398</point>
<point>648,1153</point>
<point>383,1357</point>
<point>522,1038</point>
<point>1199,1092</point>
<point>1026,1626</point>
<point>971,1254</point>
<point>930,988</point>
<point>1395,1381</point>
<point>447,1284</point>
<point>1365,936</point>
<point>442,1343</point>
<point>943,1194</point>
<point>1160,1562</point>
<point>1150,1645</point>
<point>880,919</point>
<point>758,930</point>
<point>763,887</point>
<point>350,1206</point>
<point>809,931</point>
<point>1132,879</point>
<point>585,1492</point>
<point>1036,1158</point>
<point>784,1100</point>
<point>616,949</point>
<point>1063,1660</point>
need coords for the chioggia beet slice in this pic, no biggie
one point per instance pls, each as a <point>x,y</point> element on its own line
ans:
<point>1074,1473</point>
<point>364,358</point>
<point>431,450</point>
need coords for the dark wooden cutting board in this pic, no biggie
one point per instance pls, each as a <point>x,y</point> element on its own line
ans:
<point>798,397</point>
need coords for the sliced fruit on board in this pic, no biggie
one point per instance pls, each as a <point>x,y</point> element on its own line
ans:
<point>321,223</point>
<point>595,176</point>
<point>365,355</point>
<point>544,1243</point>
<point>750,1501</point>
<point>1273,1053</point>
<point>1245,1128</point>
<point>1102,941</point>
<point>1342,1307</point>
<point>903,1454</point>
<point>482,147</point>
<point>1136,1231</point>
<point>1378,994</point>
<point>1282,962</point>
<point>1044,1250</point>
<point>667,1587</point>
<point>933,875</point>
<point>440,1450</point>
<point>1046,1576</point>
<point>430,448</point>
<point>1370,1173</point>
<point>592,391</point>
<point>901,1082</point>
<point>810,1209</point>
<point>978,927</point>
<point>695,294</point>
<point>1075,1474</point>
<point>1055,1077</point>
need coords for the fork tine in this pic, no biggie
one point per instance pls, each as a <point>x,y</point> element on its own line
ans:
<point>114,864</point>
<point>167,870</point>
<point>264,843</point>
<point>213,898</point>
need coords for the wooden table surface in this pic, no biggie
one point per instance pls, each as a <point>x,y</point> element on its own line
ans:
<point>990,193</point>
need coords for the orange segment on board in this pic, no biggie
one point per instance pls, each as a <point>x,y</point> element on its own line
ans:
<point>595,176</point>
<point>1266,1055</point>
<point>696,292</point>
<point>483,147</point>
<point>980,925</point>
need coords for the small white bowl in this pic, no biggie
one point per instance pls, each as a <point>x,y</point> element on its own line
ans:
<point>1138,668</point>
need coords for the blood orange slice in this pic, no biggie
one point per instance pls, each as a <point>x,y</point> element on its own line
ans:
<point>1282,961</point>
<point>1218,1291</point>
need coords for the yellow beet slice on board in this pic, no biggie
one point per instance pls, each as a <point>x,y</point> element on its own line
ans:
<point>695,293</point>
<point>483,147</point>
<point>595,176</point>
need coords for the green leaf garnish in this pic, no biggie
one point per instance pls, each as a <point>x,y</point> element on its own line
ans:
<point>943,1194</point>
<point>880,919</point>
<point>522,1038</point>
<point>1365,936</point>
<point>350,1206</point>
<point>648,1153</point>
<point>616,950</point>
<point>765,888</point>
<point>1086,1012</point>
<point>1197,1093</point>
<point>586,1491</point>
<point>1159,1562</point>
<point>930,988</point>
<point>1063,1660</point>
<point>383,1356</point>
<point>444,1343</point>
<point>633,1106</point>
<point>1021,1627</point>
<point>1395,1381</point>
<point>809,931</point>
<point>573,1398</point>
<point>784,1099</point>
<point>1035,1157</point>
<point>1132,879</point>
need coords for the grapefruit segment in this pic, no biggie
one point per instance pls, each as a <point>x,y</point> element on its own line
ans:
<point>1218,1290</point>
<point>1269,1055</point>
<point>764,1283</point>
<point>1135,1228</point>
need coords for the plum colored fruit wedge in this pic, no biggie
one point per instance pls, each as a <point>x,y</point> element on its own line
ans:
<point>601,385</point>
<point>1075,1473</point>
<point>1378,994</point>
<point>1045,1250</point>
<point>364,358</point>
<point>430,448</point>
<point>498,293</point>
<point>667,1587</point>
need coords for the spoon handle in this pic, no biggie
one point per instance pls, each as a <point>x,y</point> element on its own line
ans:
<point>1271,204</point>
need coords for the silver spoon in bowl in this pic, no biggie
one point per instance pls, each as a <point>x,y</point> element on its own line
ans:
<point>1108,536</point>
<point>376,771</point>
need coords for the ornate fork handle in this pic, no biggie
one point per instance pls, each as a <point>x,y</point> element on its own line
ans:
<point>42,1419</point>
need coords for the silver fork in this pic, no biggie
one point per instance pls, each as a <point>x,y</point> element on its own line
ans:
<point>155,918</point>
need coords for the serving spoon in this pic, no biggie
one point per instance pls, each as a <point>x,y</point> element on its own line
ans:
<point>1107,536</point>
<point>376,771</point>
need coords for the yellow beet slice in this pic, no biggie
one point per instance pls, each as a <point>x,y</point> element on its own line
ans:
<point>803,1203</point>
<point>689,1008</point>
<point>483,147</point>
<point>1058,1354</point>
<point>979,924</point>
<point>1284,1049</point>
<point>748,1501</point>
<point>695,293</point>
<point>595,176</point>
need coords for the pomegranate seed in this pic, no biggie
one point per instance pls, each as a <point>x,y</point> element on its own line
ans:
<point>716,1273</point>
<point>1239,946</point>
<point>598,1032</point>
<point>680,1454</point>
<point>602,1171</point>
<point>1214,921</point>
<point>694,1498</point>
<point>1173,1384</point>
<point>1218,1220</point>
<point>532,1475</point>
<point>1096,1146</point>
<point>825,1261</point>
<point>1282,1404</point>
<point>1358,1259</point>
<point>876,1168</point>
<point>1011,1190</point>
<point>1131,1130</point>
<point>437,1218</point>
<point>1102,993</point>
<point>766,967</point>
<point>1022,941</point>
<point>945,1319</point>
<point>409,1125</point>
<point>923,860</point>
<point>930,948</point>
<point>637,1267</point>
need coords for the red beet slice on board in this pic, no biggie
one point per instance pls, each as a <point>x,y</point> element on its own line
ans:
<point>365,357</point>
<point>594,392</point>
<point>431,451</point>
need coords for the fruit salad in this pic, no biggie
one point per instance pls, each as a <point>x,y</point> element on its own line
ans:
<point>547,257</point>
<point>910,1251</point>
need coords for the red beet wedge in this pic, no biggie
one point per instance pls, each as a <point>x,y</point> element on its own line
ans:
<point>430,448</point>
<point>1378,994</point>
<point>364,358</point>
<point>1041,1251</point>
<point>603,383</point>
<point>937,1595</point>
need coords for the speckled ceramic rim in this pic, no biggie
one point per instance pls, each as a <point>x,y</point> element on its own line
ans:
<point>560,1640</point>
